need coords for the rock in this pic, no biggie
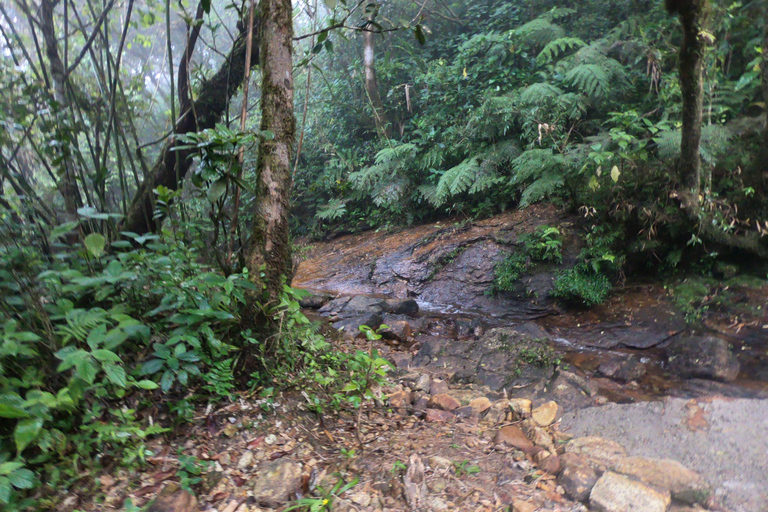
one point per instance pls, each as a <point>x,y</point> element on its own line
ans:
<point>438,387</point>
<point>480,405</point>
<point>545,414</point>
<point>494,417</point>
<point>361,498</point>
<point>521,408</point>
<point>437,485</point>
<point>401,360</point>
<point>541,437</point>
<point>437,504</point>
<point>523,506</point>
<point>414,482</point>
<point>173,499</point>
<point>401,306</point>
<point>444,402</point>
<point>400,400</point>
<point>514,437</point>
<point>466,412</point>
<point>276,483</point>
<point>314,300</point>
<point>466,327</point>
<point>617,493</point>
<point>550,464</point>
<point>352,325</point>
<point>622,368</point>
<point>437,462</point>
<point>399,331</point>
<point>246,460</point>
<point>420,407</point>
<point>706,357</point>
<point>361,304</point>
<point>422,384</point>
<point>683,484</point>
<point>576,476</point>
<point>225,459</point>
<point>601,454</point>
<point>438,416</point>
<point>335,306</point>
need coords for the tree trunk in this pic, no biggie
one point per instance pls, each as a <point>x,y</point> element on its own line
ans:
<point>371,84</point>
<point>764,68</point>
<point>269,258</point>
<point>212,102</point>
<point>67,184</point>
<point>692,15</point>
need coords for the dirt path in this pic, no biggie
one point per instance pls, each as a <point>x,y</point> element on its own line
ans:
<point>725,440</point>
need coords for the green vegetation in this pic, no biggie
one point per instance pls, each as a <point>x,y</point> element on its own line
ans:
<point>544,245</point>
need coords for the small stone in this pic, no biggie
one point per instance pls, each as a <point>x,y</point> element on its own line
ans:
<point>545,414</point>
<point>465,412</point>
<point>444,402</point>
<point>494,417</point>
<point>276,483</point>
<point>576,477</point>
<point>437,462</point>
<point>480,405</point>
<point>601,454</point>
<point>246,459</point>
<point>617,493</point>
<point>420,407</point>
<point>225,459</point>
<point>172,499</point>
<point>422,384</point>
<point>437,485</point>
<point>540,437</point>
<point>438,416</point>
<point>270,439</point>
<point>401,306</point>
<point>400,400</point>
<point>397,330</point>
<point>514,437</point>
<point>361,498</point>
<point>523,506</point>
<point>401,360</point>
<point>438,387</point>
<point>684,485</point>
<point>521,408</point>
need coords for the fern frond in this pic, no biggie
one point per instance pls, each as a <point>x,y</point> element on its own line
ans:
<point>538,33</point>
<point>590,79</point>
<point>557,47</point>
<point>539,93</point>
<point>458,179</point>
<point>80,322</point>
<point>334,209</point>
<point>545,186</point>
<point>429,192</point>
<point>533,164</point>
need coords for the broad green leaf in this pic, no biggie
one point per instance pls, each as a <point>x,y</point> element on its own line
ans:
<point>95,243</point>
<point>26,431</point>
<point>116,375</point>
<point>5,490</point>
<point>217,189</point>
<point>147,384</point>
<point>6,468</point>
<point>615,173</point>
<point>152,366</point>
<point>12,406</point>
<point>106,356</point>
<point>206,6</point>
<point>167,381</point>
<point>22,479</point>
<point>63,229</point>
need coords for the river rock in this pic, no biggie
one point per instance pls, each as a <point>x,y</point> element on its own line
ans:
<point>576,477</point>
<point>545,414</point>
<point>314,300</point>
<point>397,330</point>
<point>622,368</point>
<point>601,454</point>
<point>617,493</point>
<point>401,306</point>
<point>444,402</point>
<point>707,357</point>
<point>276,483</point>
<point>352,325</point>
<point>684,485</point>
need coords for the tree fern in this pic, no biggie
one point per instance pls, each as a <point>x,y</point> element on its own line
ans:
<point>714,142</point>
<point>589,79</point>
<point>458,179</point>
<point>538,93</point>
<point>334,209</point>
<point>538,33</point>
<point>557,47</point>
<point>544,186</point>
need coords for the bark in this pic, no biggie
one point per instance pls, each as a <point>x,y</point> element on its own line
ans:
<point>269,258</point>
<point>764,68</point>
<point>371,84</point>
<point>692,14</point>
<point>67,183</point>
<point>213,100</point>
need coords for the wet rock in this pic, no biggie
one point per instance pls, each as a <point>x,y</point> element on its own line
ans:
<point>617,493</point>
<point>401,306</point>
<point>438,387</point>
<point>513,436</point>
<point>414,482</point>
<point>576,477</point>
<point>173,499</point>
<point>315,300</point>
<point>624,369</point>
<point>571,391</point>
<point>545,414</point>
<point>601,454</point>
<point>683,484</point>
<point>444,402</point>
<point>468,328</point>
<point>361,304</point>
<point>398,330</point>
<point>438,416</point>
<point>707,357</point>
<point>352,325</point>
<point>276,483</point>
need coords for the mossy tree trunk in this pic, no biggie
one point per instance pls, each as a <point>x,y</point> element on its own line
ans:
<point>212,102</point>
<point>269,258</point>
<point>692,14</point>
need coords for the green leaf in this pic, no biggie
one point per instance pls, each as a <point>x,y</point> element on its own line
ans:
<point>147,384</point>
<point>331,4</point>
<point>6,468</point>
<point>27,431</point>
<point>22,479</point>
<point>152,366</point>
<point>116,375</point>
<point>63,229</point>
<point>103,355</point>
<point>206,6</point>
<point>419,33</point>
<point>167,381</point>
<point>615,173</point>
<point>217,189</point>
<point>12,406</point>
<point>5,490</point>
<point>95,244</point>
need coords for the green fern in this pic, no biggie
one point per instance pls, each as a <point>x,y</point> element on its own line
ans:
<point>80,322</point>
<point>558,47</point>
<point>458,179</point>
<point>714,142</point>
<point>538,33</point>
<point>589,79</point>
<point>536,94</point>
<point>334,209</point>
<point>547,184</point>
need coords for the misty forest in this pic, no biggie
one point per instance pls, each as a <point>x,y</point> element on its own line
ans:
<point>383,255</point>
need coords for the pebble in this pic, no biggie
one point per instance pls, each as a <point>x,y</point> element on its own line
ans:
<point>545,414</point>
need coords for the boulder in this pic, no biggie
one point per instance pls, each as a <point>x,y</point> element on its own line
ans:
<point>576,477</point>
<point>707,357</point>
<point>401,306</point>
<point>622,368</point>
<point>683,484</point>
<point>276,483</point>
<point>351,326</point>
<point>601,454</point>
<point>314,300</point>
<point>617,493</point>
<point>398,330</point>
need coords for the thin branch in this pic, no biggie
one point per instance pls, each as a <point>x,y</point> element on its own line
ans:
<point>90,40</point>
